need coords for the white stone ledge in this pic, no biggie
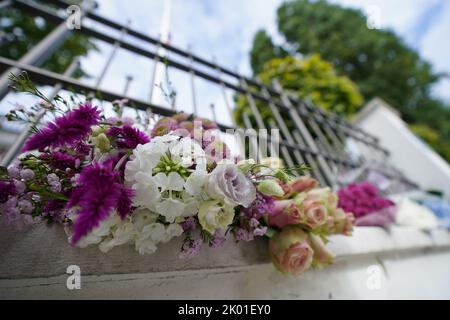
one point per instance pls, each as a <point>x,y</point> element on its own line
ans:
<point>43,252</point>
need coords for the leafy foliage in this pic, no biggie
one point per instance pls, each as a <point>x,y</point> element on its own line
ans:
<point>310,78</point>
<point>20,32</point>
<point>378,61</point>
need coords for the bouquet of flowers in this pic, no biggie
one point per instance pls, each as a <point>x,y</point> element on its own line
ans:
<point>112,182</point>
<point>369,208</point>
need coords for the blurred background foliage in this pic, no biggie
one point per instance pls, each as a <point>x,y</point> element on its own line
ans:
<point>310,78</point>
<point>20,32</point>
<point>378,61</point>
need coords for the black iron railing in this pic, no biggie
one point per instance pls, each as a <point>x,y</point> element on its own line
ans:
<point>314,137</point>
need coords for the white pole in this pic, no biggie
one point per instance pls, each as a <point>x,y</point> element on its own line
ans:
<point>165,38</point>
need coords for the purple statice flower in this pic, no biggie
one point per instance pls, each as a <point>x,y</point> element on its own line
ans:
<point>128,137</point>
<point>20,186</point>
<point>11,215</point>
<point>217,241</point>
<point>65,130</point>
<point>7,189</point>
<point>244,235</point>
<point>14,170</point>
<point>190,249</point>
<point>99,192</point>
<point>259,232</point>
<point>54,182</point>
<point>261,206</point>
<point>27,174</point>
<point>189,224</point>
<point>25,206</point>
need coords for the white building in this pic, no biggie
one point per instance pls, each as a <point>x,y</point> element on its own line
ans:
<point>408,152</point>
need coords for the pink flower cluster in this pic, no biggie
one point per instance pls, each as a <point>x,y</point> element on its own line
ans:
<point>362,199</point>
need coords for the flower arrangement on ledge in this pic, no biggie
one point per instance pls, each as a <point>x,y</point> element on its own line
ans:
<point>112,182</point>
<point>368,207</point>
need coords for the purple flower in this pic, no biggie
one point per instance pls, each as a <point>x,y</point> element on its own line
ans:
<point>61,160</point>
<point>217,241</point>
<point>25,206</point>
<point>244,235</point>
<point>66,130</point>
<point>227,181</point>
<point>128,137</point>
<point>11,215</point>
<point>54,209</point>
<point>260,207</point>
<point>27,174</point>
<point>259,232</point>
<point>14,171</point>
<point>190,249</point>
<point>362,199</point>
<point>20,186</point>
<point>189,224</point>
<point>54,183</point>
<point>7,189</point>
<point>98,193</point>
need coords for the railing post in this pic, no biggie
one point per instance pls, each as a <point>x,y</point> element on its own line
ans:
<point>303,136</point>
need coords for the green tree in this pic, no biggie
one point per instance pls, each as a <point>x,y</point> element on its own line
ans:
<point>378,61</point>
<point>309,78</point>
<point>19,32</point>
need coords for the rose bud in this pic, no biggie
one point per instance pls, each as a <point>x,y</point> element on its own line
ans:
<point>270,187</point>
<point>343,222</point>
<point>304,184</point>
<point>322,256</point>
<point>290,251</point>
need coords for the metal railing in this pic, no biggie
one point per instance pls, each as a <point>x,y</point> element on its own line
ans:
<point>307,134</point>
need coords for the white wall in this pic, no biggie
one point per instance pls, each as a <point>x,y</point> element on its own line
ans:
<point>408,153</point>
<point>399,263</point>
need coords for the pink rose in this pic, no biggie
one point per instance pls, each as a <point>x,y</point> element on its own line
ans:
<point>290,251</point>
<point>315,212</point>
<point>285,213</point>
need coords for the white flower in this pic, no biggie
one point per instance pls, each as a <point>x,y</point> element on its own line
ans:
<point>187,151</point>
<point>173,181</point>
<point>123,234</point>
<point>155,231</point>
<point>170,208</point>
<point>143,217</point>
<point>172,231</point>
<point>213,215</point>
<point>146,190</point>
<point>145,246</point>
<point>196,182</point>
<point>99,233</point>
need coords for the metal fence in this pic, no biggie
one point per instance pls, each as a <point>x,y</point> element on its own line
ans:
<point>306,134</point>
